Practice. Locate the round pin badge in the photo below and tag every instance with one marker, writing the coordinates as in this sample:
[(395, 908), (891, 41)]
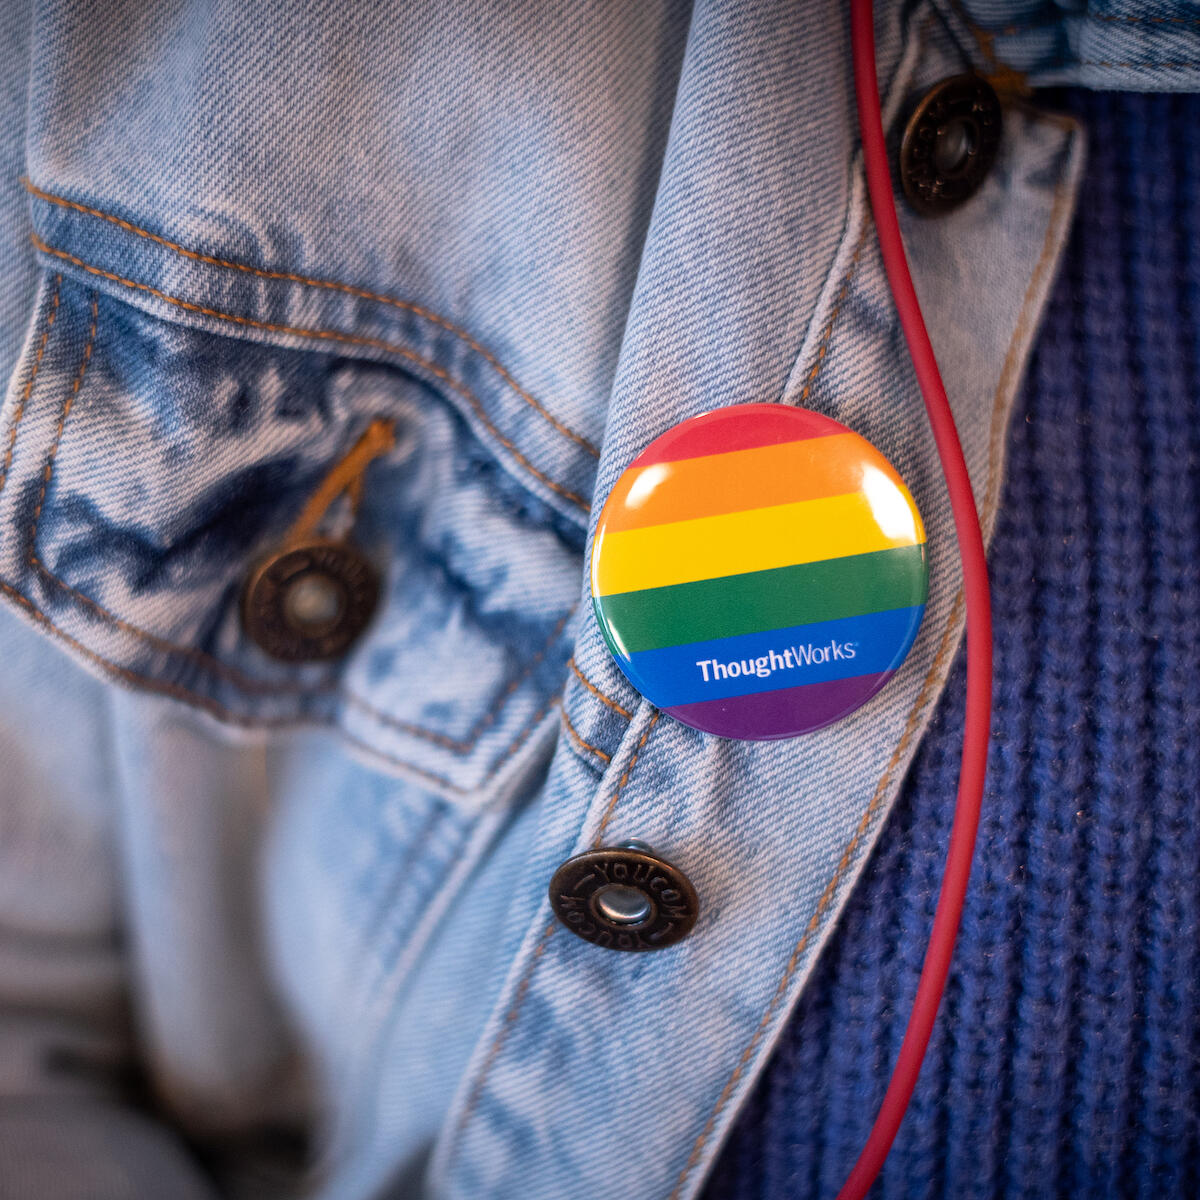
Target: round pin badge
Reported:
[(759, 571)]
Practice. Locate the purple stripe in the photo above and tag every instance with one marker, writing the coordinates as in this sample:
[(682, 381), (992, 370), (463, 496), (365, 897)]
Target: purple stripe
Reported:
[(782, 713)]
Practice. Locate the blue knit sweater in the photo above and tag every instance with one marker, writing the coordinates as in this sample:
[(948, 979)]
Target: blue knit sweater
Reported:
[(1066, 1061)]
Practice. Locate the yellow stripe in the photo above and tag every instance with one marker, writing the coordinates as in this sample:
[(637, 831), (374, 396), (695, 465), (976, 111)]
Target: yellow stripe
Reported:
[(757, 540)]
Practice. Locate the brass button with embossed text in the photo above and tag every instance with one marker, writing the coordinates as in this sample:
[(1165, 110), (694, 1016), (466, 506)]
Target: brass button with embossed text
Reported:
[(309, 601), (624, 898)]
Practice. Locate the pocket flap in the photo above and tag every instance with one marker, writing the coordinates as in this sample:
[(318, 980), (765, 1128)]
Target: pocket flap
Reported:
[(151, 464)]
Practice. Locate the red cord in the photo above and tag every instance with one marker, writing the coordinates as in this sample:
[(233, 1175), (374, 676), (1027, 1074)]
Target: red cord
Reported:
[(979, 618)]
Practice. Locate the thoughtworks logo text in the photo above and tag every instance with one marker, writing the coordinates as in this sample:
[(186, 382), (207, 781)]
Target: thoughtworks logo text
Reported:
[(789, 659)]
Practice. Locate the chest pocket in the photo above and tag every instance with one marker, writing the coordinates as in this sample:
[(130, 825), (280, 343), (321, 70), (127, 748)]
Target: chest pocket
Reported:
[(151, 463)]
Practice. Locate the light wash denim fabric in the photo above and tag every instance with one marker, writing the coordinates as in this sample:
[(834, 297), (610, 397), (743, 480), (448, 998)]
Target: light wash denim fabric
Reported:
[(1133, 45), (273, 898)]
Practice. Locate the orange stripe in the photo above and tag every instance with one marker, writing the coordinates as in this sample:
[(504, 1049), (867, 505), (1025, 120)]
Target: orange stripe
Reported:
[(740, 480)]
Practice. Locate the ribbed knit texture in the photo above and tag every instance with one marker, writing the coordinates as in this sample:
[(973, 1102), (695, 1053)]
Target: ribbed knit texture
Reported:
[(1066, 1060)]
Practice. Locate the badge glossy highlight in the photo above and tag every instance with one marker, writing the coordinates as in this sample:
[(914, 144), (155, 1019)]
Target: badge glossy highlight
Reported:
[(759, 571)]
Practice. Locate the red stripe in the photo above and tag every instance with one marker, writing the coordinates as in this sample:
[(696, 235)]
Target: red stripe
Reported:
[(739, 427)]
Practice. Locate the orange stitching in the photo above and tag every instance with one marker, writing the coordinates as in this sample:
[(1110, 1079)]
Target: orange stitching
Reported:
[(574, 735), (330, 285), (259, 687), (1012, 364), (256, 686), (1155, 66), (161, 687), (205, 660), (524, 735), (984, 40), (509, 1018), (232, 674), (914, 715), (1109, 18), (152, 684), (827, 332), (28, 390), (488, 717), (335, 336), (48, 470), (546, 933), (612, 804), (527, 977), (591, 687)]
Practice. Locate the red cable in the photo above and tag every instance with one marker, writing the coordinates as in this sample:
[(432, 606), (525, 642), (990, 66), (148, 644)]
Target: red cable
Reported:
[(978, 611)]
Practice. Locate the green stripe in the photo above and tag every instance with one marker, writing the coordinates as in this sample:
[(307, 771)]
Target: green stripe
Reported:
[(762, 600)]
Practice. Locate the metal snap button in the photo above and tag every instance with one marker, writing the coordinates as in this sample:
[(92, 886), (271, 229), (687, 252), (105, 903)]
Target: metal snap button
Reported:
[(624, 898), (949, 144), (309, 601)]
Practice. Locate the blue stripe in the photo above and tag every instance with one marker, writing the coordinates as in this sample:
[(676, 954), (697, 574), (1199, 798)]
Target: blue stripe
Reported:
[(866, 645)]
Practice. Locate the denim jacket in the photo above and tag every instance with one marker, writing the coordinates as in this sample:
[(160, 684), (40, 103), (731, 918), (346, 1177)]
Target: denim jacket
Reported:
[(530, 239)]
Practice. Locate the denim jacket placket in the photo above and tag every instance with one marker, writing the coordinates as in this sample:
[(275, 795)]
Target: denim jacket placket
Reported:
[(661, 1049)]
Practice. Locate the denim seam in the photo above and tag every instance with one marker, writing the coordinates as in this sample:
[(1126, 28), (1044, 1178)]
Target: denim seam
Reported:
[(455, 746), (27, 391), (481, 726), (328, 285), (1012, 362), (207, 661), (985, 40), (219, 712), (1087, 18), (1156, 66), (68, 404), (522, 987), (591, 687), (580, 742), (598, 839), (1062, 194), (857, 215), (506, 1025), (827, 332), (332, 335), (213, 708)]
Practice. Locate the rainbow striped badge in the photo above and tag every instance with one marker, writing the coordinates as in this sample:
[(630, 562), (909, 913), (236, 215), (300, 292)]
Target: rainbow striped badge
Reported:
[(759, 571)]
